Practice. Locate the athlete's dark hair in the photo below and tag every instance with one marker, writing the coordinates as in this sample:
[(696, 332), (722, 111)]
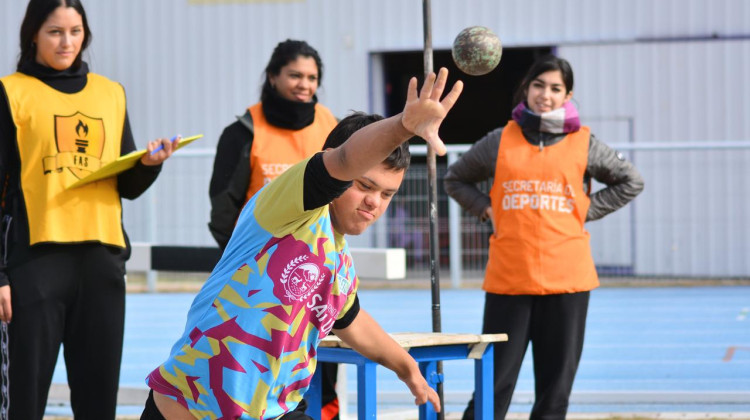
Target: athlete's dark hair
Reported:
[(37, 13), (398, 160), (284, 53)]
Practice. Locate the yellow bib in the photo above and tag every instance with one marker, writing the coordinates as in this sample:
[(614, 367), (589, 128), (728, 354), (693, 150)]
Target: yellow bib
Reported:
[(62, 138)]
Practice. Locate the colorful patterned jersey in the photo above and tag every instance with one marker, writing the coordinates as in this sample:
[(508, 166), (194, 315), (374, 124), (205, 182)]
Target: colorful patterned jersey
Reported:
[(249, 346)]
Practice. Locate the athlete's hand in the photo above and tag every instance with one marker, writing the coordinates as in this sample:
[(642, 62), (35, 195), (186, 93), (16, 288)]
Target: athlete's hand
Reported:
[(424, 113), (422, 392)]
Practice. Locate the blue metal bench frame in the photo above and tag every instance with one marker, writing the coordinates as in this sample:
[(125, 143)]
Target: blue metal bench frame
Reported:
[(427, 357)]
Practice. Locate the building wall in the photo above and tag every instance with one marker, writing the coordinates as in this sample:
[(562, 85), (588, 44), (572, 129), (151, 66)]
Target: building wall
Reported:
[(189, 67), (646, 71), (690, 218)]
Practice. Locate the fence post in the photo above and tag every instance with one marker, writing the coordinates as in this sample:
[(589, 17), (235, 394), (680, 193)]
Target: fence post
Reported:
[(152, 225), (454, 234)]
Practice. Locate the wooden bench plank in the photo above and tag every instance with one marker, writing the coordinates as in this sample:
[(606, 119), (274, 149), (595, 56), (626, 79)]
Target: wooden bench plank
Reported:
[(412, 339)]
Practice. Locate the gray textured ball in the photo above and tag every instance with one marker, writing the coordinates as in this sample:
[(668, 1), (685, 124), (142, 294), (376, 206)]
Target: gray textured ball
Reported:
[(477, 50)]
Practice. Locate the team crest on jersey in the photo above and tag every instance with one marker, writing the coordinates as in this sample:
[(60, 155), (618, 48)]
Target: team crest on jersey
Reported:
[(300, 278), (298, 271), (80, 145)]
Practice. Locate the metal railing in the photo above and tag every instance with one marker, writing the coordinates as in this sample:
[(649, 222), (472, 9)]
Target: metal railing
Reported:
[(176, 208)]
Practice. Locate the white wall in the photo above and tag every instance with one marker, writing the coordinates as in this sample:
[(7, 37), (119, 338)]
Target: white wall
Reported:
[(674, 69), (691, 219), (189, 67)]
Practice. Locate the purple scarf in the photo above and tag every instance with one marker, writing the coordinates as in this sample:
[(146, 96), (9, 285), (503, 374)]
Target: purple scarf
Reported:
[(560, 120)]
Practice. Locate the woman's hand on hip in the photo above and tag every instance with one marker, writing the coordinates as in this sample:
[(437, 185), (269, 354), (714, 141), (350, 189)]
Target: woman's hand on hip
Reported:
[(6, 312), (488, 214)]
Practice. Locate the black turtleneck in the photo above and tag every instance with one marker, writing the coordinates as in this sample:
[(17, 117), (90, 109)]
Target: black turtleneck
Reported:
[(235, 138), (231, 173), (282, 112), (70, 80)]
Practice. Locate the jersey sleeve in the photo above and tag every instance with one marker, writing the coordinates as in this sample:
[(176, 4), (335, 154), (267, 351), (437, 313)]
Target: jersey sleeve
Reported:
[(279, 206), (348, 313)]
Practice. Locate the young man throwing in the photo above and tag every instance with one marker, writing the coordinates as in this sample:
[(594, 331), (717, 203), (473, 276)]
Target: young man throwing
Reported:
[(286, 278)]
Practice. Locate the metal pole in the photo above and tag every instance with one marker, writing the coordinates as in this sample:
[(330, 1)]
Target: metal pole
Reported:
[(151, 278), (432, 203), (454, 232)]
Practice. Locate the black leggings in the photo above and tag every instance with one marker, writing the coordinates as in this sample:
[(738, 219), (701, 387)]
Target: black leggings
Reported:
[(150, 412), (555, 326), (72, 295)]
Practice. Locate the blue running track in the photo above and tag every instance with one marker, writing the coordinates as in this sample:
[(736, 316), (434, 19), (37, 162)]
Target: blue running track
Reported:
[(677, 349)]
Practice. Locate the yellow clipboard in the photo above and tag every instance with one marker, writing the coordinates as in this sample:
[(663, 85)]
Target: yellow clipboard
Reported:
[(123, 163)]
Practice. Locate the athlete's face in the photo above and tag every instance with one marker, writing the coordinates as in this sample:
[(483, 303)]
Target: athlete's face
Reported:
[(59, 40), (547, 92), (365, 201), (298, 80)]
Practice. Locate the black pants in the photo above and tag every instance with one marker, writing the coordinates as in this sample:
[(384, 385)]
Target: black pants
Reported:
[(150, 412), (555, 325), (74, 295)]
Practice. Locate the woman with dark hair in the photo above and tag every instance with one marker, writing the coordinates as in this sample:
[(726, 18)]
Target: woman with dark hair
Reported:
[(286, 126), (62, 265), (540, 270)]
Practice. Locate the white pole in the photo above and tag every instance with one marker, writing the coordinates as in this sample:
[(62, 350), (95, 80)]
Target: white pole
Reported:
[(454, 232)]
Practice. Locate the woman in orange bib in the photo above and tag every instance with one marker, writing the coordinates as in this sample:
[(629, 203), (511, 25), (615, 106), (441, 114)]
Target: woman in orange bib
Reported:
[(285, 127), (540, 270), (63, 249)]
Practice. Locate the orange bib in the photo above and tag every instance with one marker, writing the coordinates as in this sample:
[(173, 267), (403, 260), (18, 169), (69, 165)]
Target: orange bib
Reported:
[(276, 149), (540, 245)]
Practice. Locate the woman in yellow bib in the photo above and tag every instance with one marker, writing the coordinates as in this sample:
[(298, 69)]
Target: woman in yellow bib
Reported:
[(540, 270), (62, 265)]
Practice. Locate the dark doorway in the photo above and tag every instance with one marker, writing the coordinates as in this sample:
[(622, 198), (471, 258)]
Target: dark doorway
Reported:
[(486, 102)]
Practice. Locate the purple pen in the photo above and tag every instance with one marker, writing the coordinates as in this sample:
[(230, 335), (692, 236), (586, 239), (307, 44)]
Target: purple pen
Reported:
[(161, 146)]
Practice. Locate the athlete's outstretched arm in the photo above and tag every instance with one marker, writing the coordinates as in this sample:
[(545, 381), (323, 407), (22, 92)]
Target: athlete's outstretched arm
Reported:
[(422, 115)]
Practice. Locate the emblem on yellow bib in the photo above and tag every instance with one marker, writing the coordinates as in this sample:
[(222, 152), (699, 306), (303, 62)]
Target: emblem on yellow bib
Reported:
[(80, 144)]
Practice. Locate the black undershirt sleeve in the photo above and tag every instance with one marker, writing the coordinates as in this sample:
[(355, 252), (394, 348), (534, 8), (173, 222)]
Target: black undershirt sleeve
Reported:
[(133, 182), (228, 151), (7, 131), (348, 317), (320, 188), (127, 144), (230, 180)]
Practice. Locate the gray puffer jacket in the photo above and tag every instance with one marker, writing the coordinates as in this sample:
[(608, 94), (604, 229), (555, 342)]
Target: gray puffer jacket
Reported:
[(607, 166)]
